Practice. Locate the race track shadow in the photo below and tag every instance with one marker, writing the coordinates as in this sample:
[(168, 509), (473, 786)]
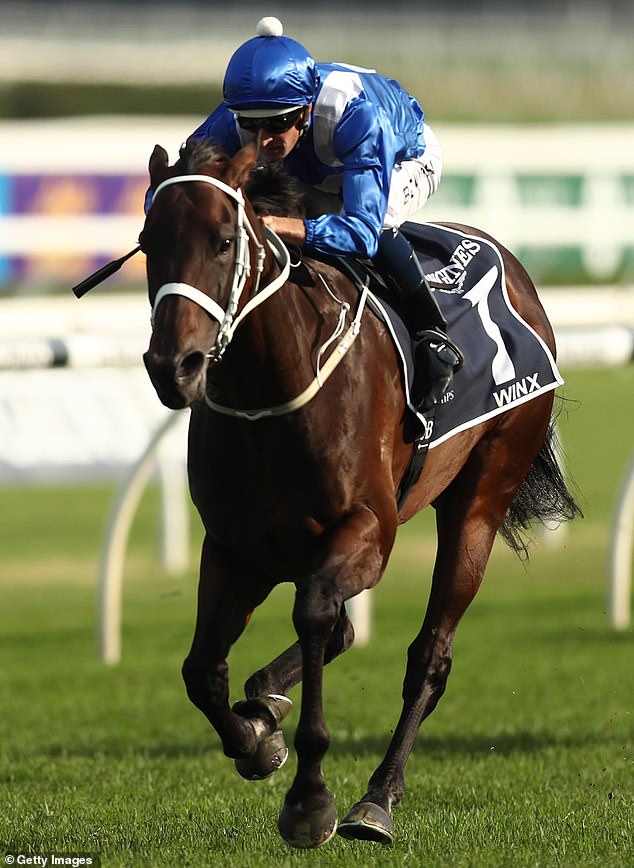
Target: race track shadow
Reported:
[(457, 747), (472, 746)]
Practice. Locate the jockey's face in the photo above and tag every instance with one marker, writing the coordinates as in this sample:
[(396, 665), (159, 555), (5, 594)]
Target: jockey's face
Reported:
[(275, 146)]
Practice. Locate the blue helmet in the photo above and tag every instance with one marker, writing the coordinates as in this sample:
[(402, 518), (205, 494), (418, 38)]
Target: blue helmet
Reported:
[(270, 73)]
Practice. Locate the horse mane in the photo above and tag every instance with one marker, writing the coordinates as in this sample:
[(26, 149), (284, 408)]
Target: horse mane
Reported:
[(196, 155), (270, 188)]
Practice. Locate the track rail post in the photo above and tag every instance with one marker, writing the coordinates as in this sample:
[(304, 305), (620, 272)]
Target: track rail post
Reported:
[(115, 540), (621, 552)]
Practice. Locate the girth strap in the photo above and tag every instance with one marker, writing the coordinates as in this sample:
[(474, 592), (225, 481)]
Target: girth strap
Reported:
[(416, 461)]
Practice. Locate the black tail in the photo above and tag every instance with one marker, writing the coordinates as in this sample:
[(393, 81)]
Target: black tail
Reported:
[(543, 496)]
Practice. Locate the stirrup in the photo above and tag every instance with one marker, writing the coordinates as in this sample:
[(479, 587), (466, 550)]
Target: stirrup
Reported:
[(442, 346), (433, 375)]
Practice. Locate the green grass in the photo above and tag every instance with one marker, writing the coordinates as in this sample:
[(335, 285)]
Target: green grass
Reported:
[(528, 760)]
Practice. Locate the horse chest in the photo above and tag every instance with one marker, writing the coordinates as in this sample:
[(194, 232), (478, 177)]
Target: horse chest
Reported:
[(272, 500)]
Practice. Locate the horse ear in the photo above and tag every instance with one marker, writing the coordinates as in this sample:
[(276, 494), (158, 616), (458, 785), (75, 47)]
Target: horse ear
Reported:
[(158, 165), (241, 165)]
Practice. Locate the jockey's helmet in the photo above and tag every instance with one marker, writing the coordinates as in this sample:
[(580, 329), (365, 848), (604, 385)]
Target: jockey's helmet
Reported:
[(269, 74)]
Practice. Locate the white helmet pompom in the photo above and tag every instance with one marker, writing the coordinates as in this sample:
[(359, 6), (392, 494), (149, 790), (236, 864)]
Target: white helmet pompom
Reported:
[(269, 26)]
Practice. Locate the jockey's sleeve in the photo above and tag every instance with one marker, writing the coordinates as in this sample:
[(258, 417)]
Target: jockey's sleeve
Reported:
[(365, 144), (221, 128), (356, 231)]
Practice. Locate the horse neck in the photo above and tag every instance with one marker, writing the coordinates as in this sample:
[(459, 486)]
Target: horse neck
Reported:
[(272, 355)]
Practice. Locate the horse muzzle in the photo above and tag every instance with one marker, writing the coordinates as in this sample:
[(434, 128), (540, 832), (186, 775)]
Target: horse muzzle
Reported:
[(180, 379)]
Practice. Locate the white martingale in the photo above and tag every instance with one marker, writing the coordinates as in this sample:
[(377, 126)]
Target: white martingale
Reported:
[(323, 372)]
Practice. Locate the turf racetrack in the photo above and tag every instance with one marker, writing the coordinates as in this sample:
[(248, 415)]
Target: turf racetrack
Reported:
[(528, 760)]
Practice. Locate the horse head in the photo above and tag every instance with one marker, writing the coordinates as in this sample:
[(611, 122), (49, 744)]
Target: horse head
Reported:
[(200, 238)]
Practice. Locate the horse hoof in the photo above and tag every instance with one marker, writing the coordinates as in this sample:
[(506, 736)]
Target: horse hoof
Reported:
[(270, 755), (367, 822), (306, 830), (272, 709)]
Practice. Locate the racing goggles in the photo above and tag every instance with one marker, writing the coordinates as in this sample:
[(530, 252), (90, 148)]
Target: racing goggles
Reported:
[(275, 124)]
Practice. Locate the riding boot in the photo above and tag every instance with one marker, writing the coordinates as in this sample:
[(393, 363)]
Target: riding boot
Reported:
[(436, 357)]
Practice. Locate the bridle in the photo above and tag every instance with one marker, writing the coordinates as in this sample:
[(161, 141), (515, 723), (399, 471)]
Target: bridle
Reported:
[(242, 270), (228, 319)]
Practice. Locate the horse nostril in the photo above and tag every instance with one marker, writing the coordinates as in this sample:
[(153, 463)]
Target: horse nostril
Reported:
[(190, 366)]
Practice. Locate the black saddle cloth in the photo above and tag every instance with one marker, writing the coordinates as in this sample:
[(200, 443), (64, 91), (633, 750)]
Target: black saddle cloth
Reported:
[(506, 362)]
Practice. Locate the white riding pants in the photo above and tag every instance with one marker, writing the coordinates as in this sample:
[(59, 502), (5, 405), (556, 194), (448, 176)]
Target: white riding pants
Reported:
[(414, 181)]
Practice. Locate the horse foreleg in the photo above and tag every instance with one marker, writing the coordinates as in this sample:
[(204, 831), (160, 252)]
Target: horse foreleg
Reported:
[(227, 594), (354, 560)]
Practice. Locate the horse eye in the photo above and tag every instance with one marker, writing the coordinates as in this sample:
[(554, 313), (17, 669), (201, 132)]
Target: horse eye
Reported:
[(225, 245), (145, 240)]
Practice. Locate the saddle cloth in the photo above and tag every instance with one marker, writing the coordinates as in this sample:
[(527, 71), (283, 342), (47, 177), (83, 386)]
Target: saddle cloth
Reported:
[(506, 361)]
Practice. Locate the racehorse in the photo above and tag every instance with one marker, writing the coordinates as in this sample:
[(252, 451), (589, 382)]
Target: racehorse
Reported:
[(295, 476)]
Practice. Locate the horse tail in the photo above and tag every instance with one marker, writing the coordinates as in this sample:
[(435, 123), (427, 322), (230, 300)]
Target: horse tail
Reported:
[(543, 496)]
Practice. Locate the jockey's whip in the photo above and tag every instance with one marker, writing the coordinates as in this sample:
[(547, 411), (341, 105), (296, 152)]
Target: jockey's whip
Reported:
[(102, 273)]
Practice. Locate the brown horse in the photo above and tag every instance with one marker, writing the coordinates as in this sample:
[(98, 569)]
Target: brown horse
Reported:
[(301, 486)]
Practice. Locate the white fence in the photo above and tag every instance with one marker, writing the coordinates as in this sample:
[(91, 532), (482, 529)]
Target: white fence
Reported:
[(545, 187), (73, 422)]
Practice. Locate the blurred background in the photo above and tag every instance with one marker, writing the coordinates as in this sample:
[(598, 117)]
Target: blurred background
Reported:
[(534, 105)]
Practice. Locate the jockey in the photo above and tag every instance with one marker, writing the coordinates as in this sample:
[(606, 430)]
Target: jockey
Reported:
[(368, 161)]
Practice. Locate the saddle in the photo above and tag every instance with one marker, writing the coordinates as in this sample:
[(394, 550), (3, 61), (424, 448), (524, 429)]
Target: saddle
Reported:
[(380, 300), (506, 362)]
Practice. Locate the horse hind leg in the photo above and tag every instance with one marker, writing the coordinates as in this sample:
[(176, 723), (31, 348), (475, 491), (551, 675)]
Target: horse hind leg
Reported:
[(283, 673), (455, 583), (468, 515), (428, 667), (266, 695)]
